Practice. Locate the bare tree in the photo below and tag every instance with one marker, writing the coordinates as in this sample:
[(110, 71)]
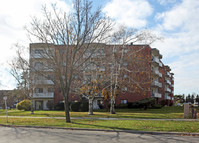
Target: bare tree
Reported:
[(135, 77), (20, 71), (79, 33)]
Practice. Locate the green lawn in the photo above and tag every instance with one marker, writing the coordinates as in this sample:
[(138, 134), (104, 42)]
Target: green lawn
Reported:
[(163, 113), (146, 125), (167, 126)]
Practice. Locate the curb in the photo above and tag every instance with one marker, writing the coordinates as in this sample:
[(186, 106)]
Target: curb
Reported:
[(106, 130)]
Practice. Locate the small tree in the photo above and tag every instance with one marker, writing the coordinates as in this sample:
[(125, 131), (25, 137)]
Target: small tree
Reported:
[(90, 91), (24, 105)]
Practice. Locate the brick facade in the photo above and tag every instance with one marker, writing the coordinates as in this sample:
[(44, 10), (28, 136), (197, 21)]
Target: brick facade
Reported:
[(142, 74)]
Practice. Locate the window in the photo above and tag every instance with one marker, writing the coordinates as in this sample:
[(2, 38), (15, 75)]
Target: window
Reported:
[(38, 64), (102, 68), (39, 51), (124, 89), (126, 51), (101, 52), (123, 101), (76, 76), (50, 77), (50, 90), (39, 90), (125, 64), (87, 77)]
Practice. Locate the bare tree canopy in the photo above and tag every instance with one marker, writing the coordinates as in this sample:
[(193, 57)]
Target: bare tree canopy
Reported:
[(68, 44), (79, 33)]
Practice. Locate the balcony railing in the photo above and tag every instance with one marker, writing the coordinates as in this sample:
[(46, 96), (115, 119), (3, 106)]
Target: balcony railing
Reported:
[(167, 81), (156, 71), (160, 64), (156, 60), (43, 95), (167, 97), (168, 74), (49, 82), (157, 95), (167, 89), (157, 83)]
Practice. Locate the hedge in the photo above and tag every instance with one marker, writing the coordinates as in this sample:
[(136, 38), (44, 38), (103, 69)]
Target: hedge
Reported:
[(24, 105)]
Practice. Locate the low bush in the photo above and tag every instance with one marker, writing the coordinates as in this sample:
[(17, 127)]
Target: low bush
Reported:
[(122, 106), (79, 106), (83, 107), (60, 106), (133, 105), (164, 102), (24, 105), (19, 107), (156, 106), (144, 103), (75, 106), (171, 104)]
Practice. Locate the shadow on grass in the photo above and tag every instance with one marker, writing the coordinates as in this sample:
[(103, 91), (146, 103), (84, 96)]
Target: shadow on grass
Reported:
[(102, 127), (172, 109)]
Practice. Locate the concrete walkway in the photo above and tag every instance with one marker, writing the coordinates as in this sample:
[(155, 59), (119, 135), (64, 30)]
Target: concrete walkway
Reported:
[(95, 118)]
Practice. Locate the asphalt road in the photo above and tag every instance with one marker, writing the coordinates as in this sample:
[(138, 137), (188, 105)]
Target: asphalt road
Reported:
[(35, 135)]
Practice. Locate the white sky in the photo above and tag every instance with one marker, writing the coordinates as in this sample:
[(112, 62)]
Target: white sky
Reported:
[(176, 20)]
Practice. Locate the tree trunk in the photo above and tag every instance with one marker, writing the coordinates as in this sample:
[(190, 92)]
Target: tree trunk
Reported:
[(67, 114), (90, 112), (112, 108), (31, 106)]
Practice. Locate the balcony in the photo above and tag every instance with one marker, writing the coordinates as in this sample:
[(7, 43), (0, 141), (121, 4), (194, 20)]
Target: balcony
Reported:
[(156, 61), (167, 89), (102, 69), (40, 56), (157, 95), (156, 83), (43, 95), (168, 82), (156, 71), (167, 97), (160, 64), (46, 82), (168, 74)]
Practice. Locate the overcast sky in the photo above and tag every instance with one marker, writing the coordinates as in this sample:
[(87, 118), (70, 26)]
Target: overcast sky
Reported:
[(176, 20)]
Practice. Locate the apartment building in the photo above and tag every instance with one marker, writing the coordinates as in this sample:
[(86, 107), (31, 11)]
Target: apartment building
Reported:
[(41, 75), (136, 69)]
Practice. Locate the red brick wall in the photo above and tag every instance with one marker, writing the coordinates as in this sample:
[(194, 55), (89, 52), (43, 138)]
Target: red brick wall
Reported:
[(58, 97)]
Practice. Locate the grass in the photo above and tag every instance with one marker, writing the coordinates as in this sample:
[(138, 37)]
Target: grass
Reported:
[(163, 113), (146, 125), (167, 126)]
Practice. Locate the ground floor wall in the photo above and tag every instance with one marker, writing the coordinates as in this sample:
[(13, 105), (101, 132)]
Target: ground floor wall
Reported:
[(43, 104), (126, 97), (122, 98)]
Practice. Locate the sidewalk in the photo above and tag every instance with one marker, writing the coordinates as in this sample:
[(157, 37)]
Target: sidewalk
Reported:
[(94, 118)]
